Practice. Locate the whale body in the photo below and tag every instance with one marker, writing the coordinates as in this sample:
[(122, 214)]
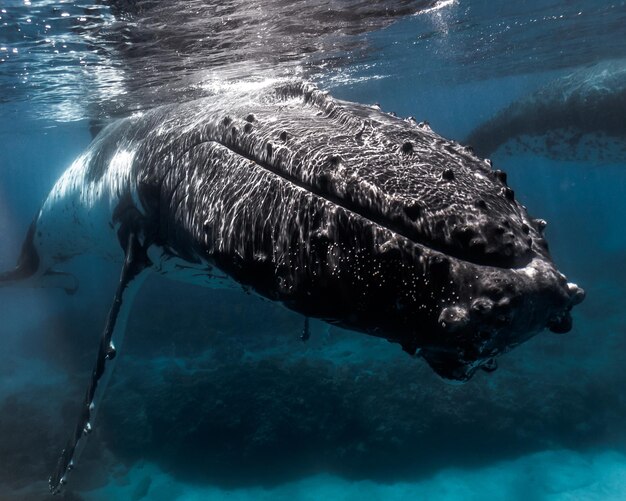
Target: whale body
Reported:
[(336, 210), (576, 117)]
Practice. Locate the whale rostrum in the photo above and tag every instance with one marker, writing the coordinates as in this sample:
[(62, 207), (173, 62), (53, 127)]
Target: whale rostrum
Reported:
[(336, 210)]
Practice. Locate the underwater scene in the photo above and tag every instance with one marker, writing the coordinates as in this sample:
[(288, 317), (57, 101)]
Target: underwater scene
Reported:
[(316, 249)]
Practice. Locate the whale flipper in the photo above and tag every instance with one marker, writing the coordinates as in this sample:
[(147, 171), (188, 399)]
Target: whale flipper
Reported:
[(306, 330), (136, 263)]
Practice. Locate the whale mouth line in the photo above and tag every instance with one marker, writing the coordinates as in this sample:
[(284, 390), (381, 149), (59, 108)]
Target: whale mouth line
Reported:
[(352, 207)]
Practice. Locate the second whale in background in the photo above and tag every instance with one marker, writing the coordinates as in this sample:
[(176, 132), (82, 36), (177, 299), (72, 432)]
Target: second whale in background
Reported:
[(579, 117)]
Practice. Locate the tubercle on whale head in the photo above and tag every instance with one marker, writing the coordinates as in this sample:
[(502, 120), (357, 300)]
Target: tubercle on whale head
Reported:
[(500, 313)]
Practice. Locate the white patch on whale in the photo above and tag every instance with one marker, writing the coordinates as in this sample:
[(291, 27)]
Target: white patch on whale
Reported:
[(76, 216)]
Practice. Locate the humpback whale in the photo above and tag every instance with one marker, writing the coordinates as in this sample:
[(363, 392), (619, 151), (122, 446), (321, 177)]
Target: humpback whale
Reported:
[(577, 117), (334, 209)]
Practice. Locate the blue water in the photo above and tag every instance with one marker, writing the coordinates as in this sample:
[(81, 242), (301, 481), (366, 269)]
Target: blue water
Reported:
[(215, 396)]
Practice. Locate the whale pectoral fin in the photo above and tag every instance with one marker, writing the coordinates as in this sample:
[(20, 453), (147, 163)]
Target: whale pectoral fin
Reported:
[(134, 271), (306, 330)]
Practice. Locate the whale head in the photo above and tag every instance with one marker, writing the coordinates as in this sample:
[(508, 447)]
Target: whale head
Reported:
[(368, 221), (334, 209)]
